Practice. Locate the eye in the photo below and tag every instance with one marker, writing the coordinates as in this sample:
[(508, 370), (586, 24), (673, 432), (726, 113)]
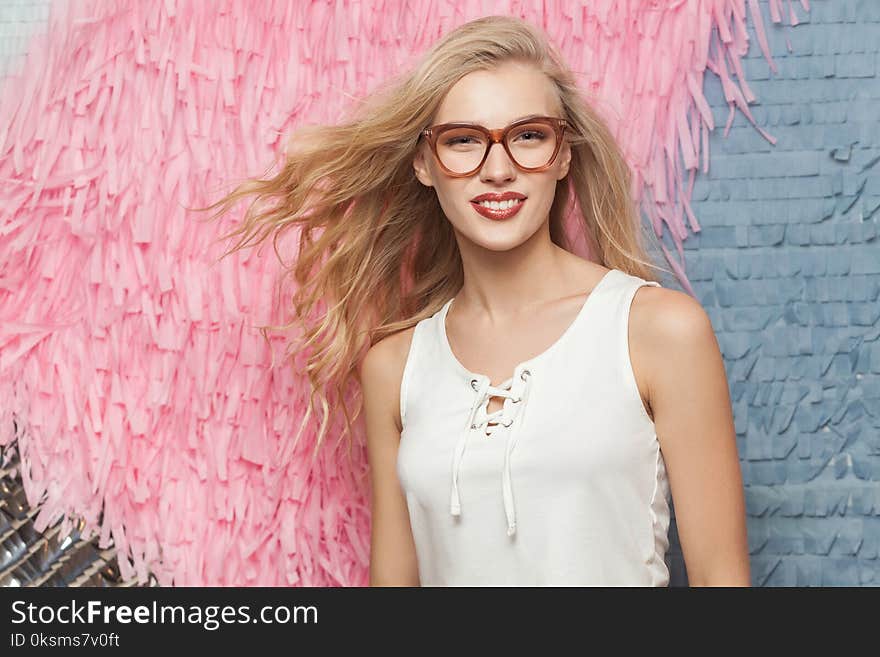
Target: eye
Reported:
[(531, 135), (458, 140)]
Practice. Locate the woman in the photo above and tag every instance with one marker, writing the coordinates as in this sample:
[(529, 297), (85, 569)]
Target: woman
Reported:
[(529, 412)]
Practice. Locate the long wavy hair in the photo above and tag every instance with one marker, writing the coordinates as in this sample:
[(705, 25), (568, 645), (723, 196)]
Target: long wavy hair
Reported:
[(375, 253)]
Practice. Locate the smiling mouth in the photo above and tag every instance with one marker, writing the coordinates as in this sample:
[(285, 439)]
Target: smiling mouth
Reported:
[(502, 211)]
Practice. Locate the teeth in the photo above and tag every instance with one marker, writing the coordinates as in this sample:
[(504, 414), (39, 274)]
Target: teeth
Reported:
[(503, 205)]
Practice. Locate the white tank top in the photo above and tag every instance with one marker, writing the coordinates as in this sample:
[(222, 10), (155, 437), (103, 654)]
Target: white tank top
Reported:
[(563, 486)]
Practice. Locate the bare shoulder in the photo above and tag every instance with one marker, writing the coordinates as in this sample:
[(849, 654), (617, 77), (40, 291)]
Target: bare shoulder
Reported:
[(669, 312), (663, 324), (382, 370)]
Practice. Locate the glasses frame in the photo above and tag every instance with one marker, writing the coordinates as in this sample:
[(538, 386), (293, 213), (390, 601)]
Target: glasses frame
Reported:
[(496, 136)]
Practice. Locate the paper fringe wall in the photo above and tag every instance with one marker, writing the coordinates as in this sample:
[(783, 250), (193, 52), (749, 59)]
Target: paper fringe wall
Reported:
[(147, 400)]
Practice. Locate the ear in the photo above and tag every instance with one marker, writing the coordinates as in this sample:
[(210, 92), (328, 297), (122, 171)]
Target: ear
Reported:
[(423, 173), (565, 160)]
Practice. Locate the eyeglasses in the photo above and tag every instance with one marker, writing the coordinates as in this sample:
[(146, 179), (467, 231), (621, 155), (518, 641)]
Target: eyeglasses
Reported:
[(462, 148)]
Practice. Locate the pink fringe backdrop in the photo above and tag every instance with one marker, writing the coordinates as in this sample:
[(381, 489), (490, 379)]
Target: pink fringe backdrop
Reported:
[(132, 375)]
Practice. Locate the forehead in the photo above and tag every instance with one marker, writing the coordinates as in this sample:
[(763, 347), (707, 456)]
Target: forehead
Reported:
[(498, 96)]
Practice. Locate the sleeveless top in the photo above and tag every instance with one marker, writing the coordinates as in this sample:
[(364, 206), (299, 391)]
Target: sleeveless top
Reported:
[(563, 486)]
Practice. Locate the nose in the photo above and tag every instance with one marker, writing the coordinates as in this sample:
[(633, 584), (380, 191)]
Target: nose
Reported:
[(498, 165)]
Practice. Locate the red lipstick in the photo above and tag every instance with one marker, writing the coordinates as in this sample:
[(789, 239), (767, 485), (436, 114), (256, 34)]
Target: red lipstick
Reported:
[(498, 215)]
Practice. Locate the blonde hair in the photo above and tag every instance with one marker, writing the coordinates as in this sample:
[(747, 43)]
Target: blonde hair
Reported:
[(373, 243)]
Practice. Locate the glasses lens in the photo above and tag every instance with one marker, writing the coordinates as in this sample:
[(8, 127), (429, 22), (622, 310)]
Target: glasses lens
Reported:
[(531, 144)]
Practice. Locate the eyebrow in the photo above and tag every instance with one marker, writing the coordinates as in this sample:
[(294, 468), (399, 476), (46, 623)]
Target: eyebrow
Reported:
[(519, 118)]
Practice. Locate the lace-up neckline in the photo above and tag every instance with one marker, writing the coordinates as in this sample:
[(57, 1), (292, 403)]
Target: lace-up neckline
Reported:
[(509, 418)]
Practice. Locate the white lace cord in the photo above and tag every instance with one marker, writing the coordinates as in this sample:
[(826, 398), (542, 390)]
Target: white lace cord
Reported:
[(484, 391), (506, 485), (455, 500), (505, 390)]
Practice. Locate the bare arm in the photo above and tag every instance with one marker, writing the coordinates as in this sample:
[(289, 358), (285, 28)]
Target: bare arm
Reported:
[(689, 396), (392, 550)]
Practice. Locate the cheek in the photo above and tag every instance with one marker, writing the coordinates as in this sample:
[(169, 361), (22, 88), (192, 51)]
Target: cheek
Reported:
[(541, 198), (452, 200)]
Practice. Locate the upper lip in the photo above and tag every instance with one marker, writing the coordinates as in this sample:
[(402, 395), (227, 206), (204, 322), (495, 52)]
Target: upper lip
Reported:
[(492, 196)]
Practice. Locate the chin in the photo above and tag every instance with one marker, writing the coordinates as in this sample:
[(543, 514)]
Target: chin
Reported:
[(503, 241)]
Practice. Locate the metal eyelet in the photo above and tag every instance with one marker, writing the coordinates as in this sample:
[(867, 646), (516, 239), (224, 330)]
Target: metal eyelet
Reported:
[(473, 381), (525, 374), (516, 401), (508, 423)]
